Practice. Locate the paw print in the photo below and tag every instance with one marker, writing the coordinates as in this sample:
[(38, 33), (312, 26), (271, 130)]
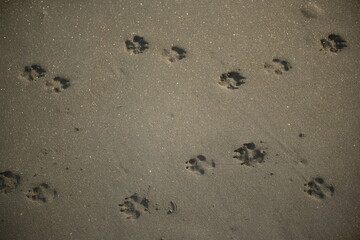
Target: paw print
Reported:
[(136, 45), (42, 193), (33, 72), (58, 84), (134, 206), (249, 154), (175, 54), (318, 189), (231, 80), (278, 66), (199, 164), (8, 181), (334, 43)]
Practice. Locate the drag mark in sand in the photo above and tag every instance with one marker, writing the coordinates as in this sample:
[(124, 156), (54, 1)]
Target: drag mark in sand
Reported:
[(231, 80), (311, 11), (8, 181), (173, 208), (134, 206), (136, 45), (318, 189), (249, 154), (199, 164)]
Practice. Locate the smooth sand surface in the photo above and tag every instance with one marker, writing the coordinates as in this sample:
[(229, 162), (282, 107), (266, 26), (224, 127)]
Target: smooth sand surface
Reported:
[(179, 119)]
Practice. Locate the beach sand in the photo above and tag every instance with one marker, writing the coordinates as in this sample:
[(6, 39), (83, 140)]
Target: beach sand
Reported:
[(179, 119)]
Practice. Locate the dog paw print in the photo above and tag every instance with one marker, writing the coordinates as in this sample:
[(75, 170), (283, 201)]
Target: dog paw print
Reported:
[(8, 181), (334, 43), (174, 54), (199, 164), (278, 66), (231, 80), (249, 154), (318, 189), (136, 45), (42, 193), (33, 72), (134, 206), (58, 84)]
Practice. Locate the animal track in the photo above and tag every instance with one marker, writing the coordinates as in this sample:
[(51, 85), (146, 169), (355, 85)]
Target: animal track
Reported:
[(33, 72), (334, 43), (172, 209), (312, 10), (308, 13), (231, 80), (137, 45), (58, 84), (199, 164), (249, 154), (175, 54), (278, 66), (8, 181), (42, 193), (133, 206), (318, 189)]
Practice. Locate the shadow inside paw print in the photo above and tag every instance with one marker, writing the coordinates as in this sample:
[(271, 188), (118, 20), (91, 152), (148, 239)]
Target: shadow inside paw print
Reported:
[(33, 72), (334, 43), (175, 54), (58, 84), (8, 181), (231, 80), (318, 189), (278, 66), (43, 193), (249, 154), (199, 164), (133, 206), (137, 45)]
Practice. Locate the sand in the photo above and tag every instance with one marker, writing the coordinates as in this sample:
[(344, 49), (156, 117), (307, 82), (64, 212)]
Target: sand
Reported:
[(179, 119)]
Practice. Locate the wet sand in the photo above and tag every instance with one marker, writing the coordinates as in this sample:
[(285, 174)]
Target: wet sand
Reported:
[(179, 119)]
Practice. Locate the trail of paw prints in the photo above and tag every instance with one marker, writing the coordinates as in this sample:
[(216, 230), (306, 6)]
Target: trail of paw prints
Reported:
[(318, 189), (333, 43), (134, 206), (249, 154), (136, 45), (9, 181), (33, 72), (174, 54), (42, 193), (278, 66), (58, 84), (231, 80), (200, 165)]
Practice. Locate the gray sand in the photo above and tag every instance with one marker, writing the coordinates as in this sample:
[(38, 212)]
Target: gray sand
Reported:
[(139, 143)]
